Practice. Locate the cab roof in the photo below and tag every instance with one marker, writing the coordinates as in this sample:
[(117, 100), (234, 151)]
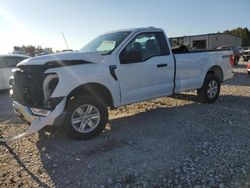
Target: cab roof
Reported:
[(136, 29)]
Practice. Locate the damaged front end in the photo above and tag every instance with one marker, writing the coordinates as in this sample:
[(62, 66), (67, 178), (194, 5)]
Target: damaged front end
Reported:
[(31, 90)]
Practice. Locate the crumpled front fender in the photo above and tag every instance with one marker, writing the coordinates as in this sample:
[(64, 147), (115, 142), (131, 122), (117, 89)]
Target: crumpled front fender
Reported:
[(36, 122)]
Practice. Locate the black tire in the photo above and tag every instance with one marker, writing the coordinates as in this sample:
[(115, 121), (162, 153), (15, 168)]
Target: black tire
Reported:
[(78, 102), (203, 91)]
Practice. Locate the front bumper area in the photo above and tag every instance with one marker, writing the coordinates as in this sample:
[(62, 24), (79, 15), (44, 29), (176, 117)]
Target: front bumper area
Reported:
[(23, 112), (36, 122)]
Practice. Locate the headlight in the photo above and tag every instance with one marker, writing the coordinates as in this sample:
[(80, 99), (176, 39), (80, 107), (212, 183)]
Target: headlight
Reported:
[(40, 112)]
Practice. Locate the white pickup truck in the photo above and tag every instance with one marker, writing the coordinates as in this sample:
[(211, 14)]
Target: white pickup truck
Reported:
[(75, 89)]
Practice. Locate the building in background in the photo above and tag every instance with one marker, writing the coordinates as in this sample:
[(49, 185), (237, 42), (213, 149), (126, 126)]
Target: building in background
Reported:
[(207, 41)]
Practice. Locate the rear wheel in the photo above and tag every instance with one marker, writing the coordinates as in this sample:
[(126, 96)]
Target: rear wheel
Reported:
[(210, 90), (86, 118)]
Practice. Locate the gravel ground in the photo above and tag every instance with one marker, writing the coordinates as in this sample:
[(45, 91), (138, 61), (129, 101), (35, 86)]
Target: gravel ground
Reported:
[(167, 142)]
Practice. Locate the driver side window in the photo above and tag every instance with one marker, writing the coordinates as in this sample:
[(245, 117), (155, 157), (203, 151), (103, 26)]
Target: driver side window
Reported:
[(141, 48)]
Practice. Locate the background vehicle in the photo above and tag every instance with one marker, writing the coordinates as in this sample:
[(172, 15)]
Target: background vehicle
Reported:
[(240, 50), (7, 63), (115, 69), (246, 55), (248, 68), (235, 50)]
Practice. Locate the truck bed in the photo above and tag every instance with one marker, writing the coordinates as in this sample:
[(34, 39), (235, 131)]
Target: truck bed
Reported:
[(191, 67)]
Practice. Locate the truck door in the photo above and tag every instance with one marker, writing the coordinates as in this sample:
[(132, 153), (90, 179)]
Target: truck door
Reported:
[(146, 68)]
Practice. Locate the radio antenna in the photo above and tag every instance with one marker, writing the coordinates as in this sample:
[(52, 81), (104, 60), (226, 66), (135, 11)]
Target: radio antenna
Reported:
[(65, 41)]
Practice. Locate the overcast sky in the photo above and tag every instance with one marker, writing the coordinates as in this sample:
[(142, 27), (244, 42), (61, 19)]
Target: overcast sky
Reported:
[(41, 22)]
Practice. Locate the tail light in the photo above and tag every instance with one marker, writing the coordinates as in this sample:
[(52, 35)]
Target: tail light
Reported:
[(248, 66), (232, 59)]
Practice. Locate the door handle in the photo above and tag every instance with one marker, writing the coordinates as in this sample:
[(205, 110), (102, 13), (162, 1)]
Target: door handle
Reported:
[(162, 65)]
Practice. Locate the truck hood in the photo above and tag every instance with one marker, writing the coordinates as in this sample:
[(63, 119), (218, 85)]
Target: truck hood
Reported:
[(91, 57)]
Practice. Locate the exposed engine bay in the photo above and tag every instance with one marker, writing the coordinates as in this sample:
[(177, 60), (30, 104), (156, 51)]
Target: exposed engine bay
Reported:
[(31, 89)]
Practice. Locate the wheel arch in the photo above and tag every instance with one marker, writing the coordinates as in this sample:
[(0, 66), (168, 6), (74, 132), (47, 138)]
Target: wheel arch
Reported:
[(99, 91), (216, 70)]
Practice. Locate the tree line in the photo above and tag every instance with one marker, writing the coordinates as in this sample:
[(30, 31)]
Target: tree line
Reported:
[(243, 33), (31, 50)]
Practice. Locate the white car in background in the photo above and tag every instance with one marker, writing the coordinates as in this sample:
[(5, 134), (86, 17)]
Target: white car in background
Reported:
[(7, 63), (246, 55)]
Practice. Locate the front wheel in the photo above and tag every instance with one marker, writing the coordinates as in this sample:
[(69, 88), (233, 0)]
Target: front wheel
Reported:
[(210, 90), (86, 118)]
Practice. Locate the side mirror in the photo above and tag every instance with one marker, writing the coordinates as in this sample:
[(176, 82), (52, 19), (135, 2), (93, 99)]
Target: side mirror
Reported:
[(130, 57)]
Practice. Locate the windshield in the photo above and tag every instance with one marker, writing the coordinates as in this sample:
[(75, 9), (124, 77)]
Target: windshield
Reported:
[(106, 43)]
